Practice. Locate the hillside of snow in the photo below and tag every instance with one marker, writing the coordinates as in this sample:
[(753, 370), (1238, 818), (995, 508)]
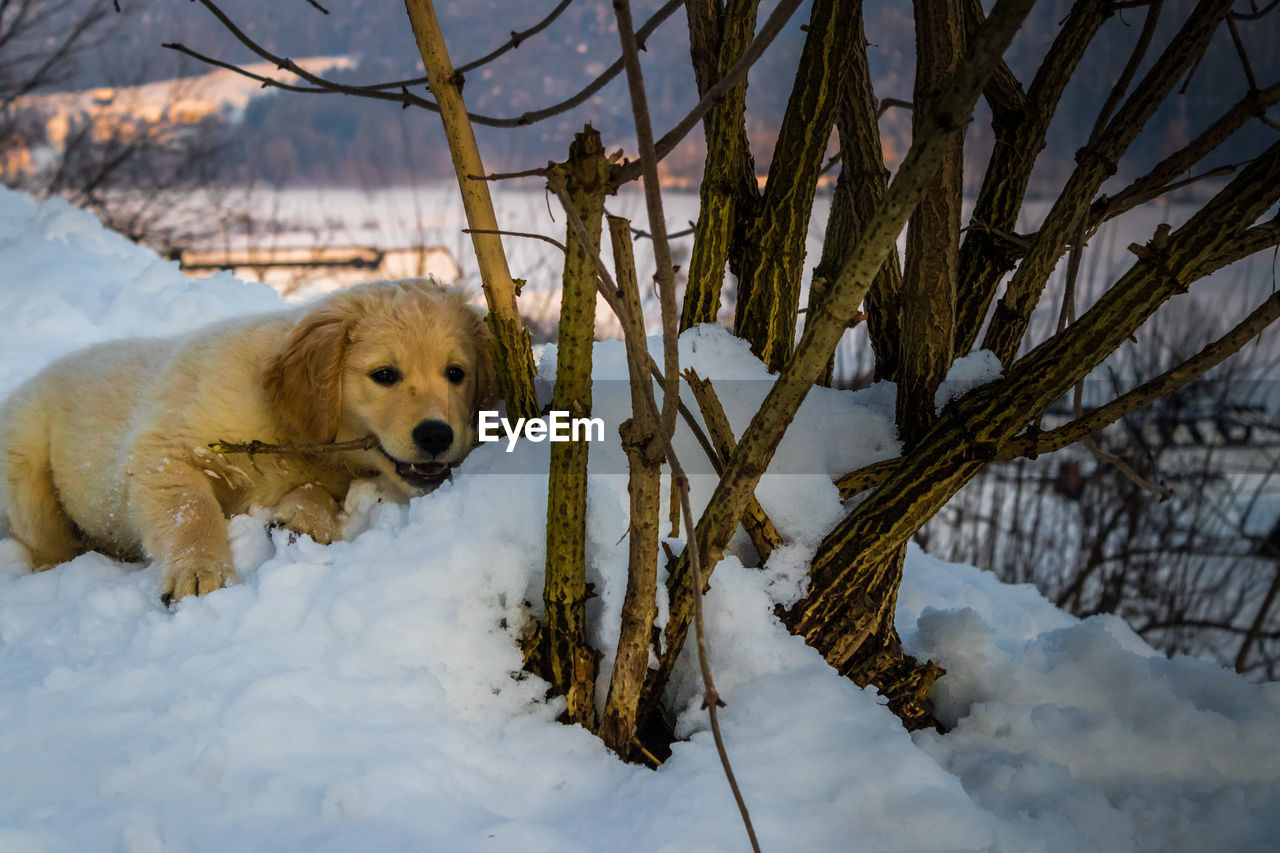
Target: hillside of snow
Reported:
[(366, 695)]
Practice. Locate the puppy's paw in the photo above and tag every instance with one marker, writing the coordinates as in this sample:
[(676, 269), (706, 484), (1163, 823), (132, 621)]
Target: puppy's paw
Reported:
[(311, 511), (179, 583)]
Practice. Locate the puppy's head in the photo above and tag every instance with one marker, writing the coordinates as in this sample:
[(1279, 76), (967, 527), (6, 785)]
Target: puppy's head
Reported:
[(406, 361)]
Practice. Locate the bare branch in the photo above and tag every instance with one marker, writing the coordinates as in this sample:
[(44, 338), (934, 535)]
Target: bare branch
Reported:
[(1255, 631), (657, 219), (516, 39), (1258, 14), (369, 442), (1130, 69), (540, 172), (1240, 51), (1004, 94), (381, 91), (543, 237), (887, 104)]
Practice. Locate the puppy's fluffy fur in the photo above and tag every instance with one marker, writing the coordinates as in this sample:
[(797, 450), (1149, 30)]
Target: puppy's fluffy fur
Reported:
[(107, 449)]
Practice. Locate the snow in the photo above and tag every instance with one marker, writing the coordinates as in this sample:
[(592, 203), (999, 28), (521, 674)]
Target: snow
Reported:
[(366, 695), (967, 372)]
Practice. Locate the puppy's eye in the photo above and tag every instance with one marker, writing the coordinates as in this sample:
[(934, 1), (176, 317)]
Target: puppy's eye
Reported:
[(385, 376), (455, 375)]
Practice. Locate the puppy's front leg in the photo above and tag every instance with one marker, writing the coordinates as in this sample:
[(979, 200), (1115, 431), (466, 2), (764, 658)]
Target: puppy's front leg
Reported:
[(182, 526), (309, 509)]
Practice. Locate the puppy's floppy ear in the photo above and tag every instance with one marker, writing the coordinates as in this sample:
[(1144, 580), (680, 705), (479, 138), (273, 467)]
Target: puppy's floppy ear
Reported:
[(303, 381), (481, 340)]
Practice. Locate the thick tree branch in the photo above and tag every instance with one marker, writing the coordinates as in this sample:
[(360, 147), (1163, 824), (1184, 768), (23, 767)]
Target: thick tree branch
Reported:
[(859, 189), (773, 246), (929, 277), (644, 463), (634, 341), (1004, 93), (727, 194), (760, 529)]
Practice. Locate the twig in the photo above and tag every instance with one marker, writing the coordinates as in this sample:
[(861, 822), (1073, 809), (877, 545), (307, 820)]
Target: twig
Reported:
[(543, 237), (1257, 14), (657, 221), (539, 172), (1255, 631), (515, 40), (640, 232), (369, 442), (832, 163), (887, 104), (1068, 316), (318, 6), (1130, 69), (1240, 51)]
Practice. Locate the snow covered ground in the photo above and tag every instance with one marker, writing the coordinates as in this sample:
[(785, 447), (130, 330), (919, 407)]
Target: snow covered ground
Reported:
[(365, 696)]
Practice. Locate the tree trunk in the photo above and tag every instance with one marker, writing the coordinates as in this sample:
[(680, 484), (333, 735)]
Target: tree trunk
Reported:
[(862, 183), (769, 284), (727, 194), (928, 301), (644, 464), (569, 662)]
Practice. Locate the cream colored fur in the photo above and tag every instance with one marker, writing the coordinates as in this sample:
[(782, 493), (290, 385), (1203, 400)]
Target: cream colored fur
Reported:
[(107, 449)]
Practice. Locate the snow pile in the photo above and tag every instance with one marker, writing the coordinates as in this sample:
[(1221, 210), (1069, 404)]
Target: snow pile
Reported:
[(367, 696)]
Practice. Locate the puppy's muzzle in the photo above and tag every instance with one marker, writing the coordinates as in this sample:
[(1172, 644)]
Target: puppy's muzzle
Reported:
[(433, 437)]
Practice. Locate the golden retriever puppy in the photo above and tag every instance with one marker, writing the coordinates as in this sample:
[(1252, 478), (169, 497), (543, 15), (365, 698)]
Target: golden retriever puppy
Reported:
[(107, 449)]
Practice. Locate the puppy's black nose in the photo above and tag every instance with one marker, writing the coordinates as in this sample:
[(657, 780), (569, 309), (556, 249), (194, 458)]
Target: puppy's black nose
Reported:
[(433, 436)]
